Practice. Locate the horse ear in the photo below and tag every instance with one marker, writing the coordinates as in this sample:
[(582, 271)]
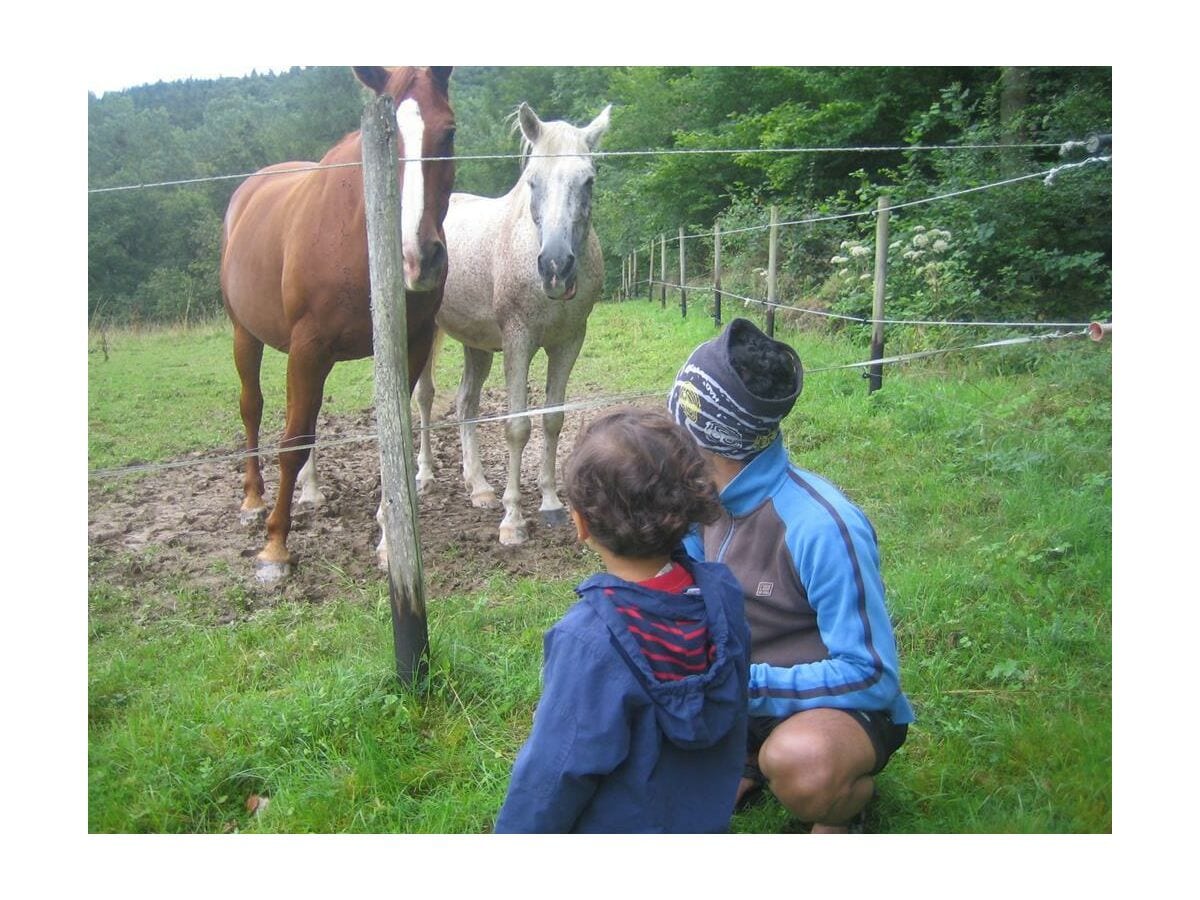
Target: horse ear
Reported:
[(599, 125), (531, 125), (441, 74), (374, 77)]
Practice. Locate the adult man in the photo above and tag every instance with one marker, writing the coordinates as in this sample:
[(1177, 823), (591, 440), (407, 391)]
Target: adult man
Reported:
[(826, 707)]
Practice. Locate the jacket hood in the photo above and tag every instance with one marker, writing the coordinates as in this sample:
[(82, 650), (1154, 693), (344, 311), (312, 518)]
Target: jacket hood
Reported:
[(699, 710)]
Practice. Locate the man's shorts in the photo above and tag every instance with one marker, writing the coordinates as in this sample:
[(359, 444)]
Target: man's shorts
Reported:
[(886, 737)]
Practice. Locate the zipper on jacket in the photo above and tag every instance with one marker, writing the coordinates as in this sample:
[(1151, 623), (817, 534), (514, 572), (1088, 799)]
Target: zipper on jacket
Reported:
[(728, 538)]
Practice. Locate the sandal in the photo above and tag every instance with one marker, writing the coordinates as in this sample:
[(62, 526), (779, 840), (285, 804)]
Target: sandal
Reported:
[(754, 794)]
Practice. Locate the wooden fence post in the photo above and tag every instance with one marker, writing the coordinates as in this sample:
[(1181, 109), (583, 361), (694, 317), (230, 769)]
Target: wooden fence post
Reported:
[(771, 257), (624, 278), (662, 255), (717, 275), (650, 274), (875, 373), (406, 588), (633, 274), (682, 277)]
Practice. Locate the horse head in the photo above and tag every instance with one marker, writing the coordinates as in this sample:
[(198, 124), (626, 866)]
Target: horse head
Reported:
[(559, 174), (426, 125)]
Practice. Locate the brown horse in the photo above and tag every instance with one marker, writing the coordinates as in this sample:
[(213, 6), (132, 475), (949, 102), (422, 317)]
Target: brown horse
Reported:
[(294, 274)]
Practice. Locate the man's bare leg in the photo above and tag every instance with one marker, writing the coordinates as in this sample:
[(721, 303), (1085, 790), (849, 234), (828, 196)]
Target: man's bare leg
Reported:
[(817, 763)]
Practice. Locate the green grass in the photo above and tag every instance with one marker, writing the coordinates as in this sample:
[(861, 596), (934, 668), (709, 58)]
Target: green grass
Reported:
[(987, 476)]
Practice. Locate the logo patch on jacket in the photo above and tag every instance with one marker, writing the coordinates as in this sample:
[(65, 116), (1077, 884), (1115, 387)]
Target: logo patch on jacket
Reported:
[(764, 589)]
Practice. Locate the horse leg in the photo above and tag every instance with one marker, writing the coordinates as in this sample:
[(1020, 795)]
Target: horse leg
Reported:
[(477, 364), (425, 391), (307, 370), (516, 434), (559, 362), (247, 358), (310, 490)]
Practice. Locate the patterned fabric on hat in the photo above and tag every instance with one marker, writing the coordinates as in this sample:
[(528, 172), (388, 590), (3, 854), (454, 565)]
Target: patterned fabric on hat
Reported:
[(711, 401)]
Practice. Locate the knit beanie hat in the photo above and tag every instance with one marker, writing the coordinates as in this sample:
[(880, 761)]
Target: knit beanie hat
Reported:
[(711, 401)]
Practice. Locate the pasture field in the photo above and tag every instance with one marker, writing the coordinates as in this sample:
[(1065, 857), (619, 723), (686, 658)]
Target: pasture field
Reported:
[(987, 475)]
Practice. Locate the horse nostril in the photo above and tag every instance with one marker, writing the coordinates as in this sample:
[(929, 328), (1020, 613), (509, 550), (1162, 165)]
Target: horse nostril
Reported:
[(552, 266)]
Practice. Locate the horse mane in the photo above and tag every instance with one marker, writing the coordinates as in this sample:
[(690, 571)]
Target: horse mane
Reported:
[(403, 79), (513, 118)]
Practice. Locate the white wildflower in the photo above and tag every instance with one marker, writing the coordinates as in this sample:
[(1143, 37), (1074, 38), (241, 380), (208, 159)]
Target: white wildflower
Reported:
[(859, 250), (839, 260), (920, 240), (940, 246)]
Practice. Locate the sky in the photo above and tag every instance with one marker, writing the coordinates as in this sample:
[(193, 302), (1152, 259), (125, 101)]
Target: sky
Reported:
[(136, 42)]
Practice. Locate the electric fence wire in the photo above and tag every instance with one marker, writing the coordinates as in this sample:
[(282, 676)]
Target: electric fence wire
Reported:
[(861, 320), (571, 406), (1047, 175), (597, 154)]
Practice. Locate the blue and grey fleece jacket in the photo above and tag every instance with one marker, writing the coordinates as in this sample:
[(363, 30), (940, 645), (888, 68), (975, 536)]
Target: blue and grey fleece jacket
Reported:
[(808, 562), (615, 750)]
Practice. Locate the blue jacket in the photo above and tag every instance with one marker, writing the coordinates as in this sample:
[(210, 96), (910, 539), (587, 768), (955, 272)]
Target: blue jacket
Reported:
[(808, 561), (613, 750)]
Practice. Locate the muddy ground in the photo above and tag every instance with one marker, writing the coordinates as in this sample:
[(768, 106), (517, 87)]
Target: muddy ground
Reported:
[(177, 530)]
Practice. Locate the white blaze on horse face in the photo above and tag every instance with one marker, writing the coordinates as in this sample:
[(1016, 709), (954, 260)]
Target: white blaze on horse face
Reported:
[(412, 198), (561, 211)]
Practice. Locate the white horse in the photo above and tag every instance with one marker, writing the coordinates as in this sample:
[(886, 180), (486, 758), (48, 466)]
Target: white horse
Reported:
[(525, 270)]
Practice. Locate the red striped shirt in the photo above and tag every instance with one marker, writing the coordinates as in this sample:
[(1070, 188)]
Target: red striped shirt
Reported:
[(674, 648)]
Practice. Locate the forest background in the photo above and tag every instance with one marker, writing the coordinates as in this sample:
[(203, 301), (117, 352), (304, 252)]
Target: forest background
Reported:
[(1019, 252)]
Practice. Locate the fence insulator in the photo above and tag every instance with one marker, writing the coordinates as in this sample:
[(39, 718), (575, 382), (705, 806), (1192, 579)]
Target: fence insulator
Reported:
[(1097, 143), (1097, 331)]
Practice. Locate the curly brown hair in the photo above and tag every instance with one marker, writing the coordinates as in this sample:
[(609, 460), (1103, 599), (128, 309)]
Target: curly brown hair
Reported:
[(639, 482)]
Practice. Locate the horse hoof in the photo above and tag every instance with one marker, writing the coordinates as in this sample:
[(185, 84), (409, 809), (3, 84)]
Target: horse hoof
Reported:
[(314, 499), (552, 518), (485, 500), (250, 517), (271, 572), (513, 535)]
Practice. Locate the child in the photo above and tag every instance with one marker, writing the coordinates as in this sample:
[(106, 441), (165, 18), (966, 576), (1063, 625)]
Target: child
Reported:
[(641, 726)]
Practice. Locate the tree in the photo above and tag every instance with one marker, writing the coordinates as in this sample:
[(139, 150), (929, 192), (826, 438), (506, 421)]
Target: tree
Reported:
[(1025, 250)]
